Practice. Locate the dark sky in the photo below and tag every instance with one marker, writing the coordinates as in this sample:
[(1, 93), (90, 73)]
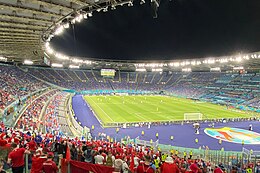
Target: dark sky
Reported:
[(183, 29)]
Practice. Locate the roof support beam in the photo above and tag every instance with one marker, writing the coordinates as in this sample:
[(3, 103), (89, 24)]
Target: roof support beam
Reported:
[(21, 25), (13, 30), (27, 19), (51, 5), (9, 34), (29, 10)]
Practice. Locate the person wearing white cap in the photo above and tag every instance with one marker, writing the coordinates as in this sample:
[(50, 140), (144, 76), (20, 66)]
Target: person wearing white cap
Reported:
[(169, 166)]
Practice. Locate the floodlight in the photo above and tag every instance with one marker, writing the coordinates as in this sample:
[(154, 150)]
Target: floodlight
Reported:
[(28, 62), (59, 30), (49, 50), (215, 69), (56, 65), (140, 69), (73, 66), (186, 70), (105, 9), (157, 70), (113, 7), (3, 59), (85, 16), (238, 68), (239, 59), (79, 18), (130, 4), (60, 56), (66, 25)]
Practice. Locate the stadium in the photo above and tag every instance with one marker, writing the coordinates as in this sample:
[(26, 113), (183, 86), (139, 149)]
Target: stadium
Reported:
[(193, 112)]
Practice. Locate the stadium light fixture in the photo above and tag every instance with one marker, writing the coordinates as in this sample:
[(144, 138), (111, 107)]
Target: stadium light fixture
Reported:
[(73, 66), (56, 65), (3, 59), (87, 62), (238, 68), (105, 9), (66, 25), (182, 63), (142, 2), (47, 44), (60, 56), (130, 4), (59, 30), (193, 62), (140, 69), (75, 60), (90, 14), (79, 18), (176, 64), (239, 59), (186, 70), (85, 16), (215, 69), (246, 57), (157, 70), (28, 62), (113, 7), (223, 60)]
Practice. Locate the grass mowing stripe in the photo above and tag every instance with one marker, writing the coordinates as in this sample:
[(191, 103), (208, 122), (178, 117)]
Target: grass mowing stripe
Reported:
[(153, 108), (102, 110)]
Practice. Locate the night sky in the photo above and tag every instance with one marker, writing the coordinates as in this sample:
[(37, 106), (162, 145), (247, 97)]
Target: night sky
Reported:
[(183, 29)]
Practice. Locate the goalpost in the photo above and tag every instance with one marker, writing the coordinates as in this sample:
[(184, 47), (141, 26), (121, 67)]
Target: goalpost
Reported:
[(192, 116)]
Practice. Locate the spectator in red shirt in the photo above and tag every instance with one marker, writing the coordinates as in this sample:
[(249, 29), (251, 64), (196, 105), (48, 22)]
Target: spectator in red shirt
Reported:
[(49, 166), (169, 166), (145, 167), (16, 157), (37, 162), (218, 170)]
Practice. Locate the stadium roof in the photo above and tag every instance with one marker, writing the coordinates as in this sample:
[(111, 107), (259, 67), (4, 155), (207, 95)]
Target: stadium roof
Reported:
[(26, 24), (23, 22)]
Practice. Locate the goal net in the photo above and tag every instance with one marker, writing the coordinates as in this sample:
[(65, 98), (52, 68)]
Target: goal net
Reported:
[(192, 116)]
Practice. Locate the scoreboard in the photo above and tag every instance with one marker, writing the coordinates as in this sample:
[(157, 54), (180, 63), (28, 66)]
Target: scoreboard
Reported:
[(108, 72)]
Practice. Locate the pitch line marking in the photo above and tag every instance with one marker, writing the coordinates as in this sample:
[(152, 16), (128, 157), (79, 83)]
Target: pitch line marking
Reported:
[(102, 110)]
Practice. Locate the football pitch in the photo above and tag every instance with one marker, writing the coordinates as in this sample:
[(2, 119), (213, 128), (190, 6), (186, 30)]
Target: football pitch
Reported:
[(122, 109)]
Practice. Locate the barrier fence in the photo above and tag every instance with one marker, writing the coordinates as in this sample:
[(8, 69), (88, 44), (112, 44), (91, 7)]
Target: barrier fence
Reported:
[(226, 158)]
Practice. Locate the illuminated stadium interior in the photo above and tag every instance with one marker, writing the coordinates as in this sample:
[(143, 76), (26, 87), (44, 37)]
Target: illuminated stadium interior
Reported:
[(202, 109)]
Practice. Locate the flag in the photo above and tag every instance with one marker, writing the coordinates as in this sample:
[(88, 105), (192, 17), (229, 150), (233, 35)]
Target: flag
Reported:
[(68, 153)]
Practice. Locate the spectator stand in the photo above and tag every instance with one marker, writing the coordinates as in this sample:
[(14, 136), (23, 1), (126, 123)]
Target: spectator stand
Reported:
[(43, 115), (29, 104), (18, 106)]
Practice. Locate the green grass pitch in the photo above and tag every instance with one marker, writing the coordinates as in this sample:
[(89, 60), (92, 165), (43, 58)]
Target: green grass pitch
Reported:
[(120, 109)]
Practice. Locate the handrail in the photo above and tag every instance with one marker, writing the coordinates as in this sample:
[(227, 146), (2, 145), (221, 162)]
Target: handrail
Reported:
[(14, 103), (43, 111), (76, 129), (24, 108)]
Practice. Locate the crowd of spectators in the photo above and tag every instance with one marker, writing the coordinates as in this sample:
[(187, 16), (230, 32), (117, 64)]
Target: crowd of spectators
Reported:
[(123, 158), (15, 83), (29, 119)]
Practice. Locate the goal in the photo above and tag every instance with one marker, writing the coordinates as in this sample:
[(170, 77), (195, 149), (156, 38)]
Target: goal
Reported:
[(192, 116)]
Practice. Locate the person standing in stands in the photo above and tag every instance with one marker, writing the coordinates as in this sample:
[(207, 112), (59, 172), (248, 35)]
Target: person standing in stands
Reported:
[(169, 166), (49, 166), (145, 167), (37, 162), (16, 158)]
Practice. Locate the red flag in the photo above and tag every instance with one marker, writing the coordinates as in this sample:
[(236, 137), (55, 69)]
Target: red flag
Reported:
[(68, 153), (132, 164)]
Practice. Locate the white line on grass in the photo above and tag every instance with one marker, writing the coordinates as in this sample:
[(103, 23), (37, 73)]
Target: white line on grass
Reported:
[(102, 110)]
